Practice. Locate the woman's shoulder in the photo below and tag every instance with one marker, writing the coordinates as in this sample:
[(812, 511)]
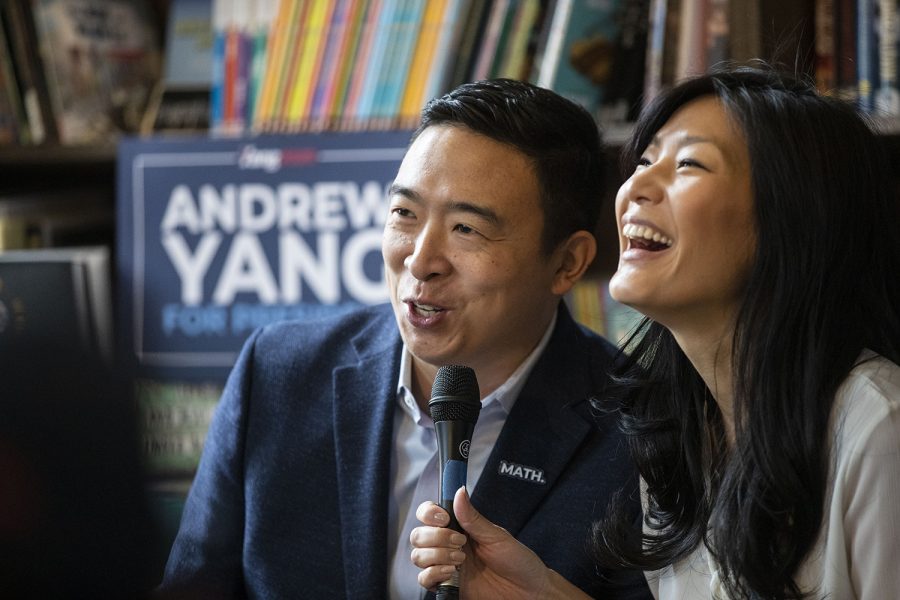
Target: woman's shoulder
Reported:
[(868, 402)]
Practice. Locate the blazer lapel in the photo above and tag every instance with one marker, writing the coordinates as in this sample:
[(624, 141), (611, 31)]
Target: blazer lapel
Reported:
[(363, 422), (545, 428)]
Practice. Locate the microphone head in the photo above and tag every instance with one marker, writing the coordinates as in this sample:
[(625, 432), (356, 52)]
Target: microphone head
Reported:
[(455, 395)]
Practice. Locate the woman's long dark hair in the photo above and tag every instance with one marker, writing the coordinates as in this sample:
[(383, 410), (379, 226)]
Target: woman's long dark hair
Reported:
[(824, 286)]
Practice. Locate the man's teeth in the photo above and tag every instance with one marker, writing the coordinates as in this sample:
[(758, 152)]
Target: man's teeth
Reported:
[(425, 310), (646, 233)]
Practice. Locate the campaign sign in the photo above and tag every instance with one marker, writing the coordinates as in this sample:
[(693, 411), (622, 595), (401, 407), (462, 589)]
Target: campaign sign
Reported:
[(220, 236)]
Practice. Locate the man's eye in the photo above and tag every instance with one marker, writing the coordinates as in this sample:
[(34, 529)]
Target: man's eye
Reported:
[(464, 228), (401, 212)]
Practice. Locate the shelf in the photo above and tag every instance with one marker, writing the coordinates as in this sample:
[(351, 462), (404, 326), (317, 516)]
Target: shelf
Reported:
[(44, 156)]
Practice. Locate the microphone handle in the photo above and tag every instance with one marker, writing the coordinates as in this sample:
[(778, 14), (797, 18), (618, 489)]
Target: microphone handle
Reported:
[(453, 456), (447, 592)]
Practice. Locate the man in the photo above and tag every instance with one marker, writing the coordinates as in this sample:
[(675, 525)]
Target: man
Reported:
[(322, 446)]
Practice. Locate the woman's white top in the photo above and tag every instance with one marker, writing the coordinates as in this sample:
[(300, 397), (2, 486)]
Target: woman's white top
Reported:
[(857, 555)]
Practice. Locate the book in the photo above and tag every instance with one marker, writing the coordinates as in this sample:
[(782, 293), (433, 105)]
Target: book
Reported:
[(423, 62), (621, 101), (290, 65), (593, 306), (173, 419), (385, 29), (57, 296), (312, 38), (579, 54), (333, 104), (465, 53), (13, 126), (825, 45), (450, 36), (335, 47), (887, 95), (846, 75), (489, 43), (745, 29), (717, 32), (395, 71), (181, 100), (101, 61), (514, 62), (691, 58), (261, 30), (29, 71), (278, 50), (656, 45), (866, 54), (370, 26)]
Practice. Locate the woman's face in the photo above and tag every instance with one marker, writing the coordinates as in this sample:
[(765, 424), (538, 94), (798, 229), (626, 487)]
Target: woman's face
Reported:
[(686, 221)]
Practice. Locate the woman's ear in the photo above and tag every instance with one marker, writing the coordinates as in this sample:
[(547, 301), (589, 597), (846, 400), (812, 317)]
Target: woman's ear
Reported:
[(573, 256)]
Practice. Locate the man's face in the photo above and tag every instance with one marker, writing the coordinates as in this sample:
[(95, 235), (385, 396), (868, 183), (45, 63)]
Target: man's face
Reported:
[(467, 279)]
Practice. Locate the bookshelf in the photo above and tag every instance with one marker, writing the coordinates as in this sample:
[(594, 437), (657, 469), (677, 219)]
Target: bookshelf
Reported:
[(66, 194)]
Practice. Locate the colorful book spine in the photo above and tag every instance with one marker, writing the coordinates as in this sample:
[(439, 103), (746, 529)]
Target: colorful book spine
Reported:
[(290, 66), (866, 54), (450, 36), (329, 71), (887, 98), (221, 16), (311, 40), (423, 62), (487, 49), (239, 57), (350, 112), (337, 94), (514, 64), (262, 32), (276, 55), (372, 70), (395, 71)]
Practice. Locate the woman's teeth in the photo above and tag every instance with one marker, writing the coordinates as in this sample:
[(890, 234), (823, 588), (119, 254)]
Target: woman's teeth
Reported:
[(642, 232)]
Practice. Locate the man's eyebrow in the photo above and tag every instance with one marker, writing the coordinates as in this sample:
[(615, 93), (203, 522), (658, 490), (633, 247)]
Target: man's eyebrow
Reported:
[(455, 206), (481, 211)]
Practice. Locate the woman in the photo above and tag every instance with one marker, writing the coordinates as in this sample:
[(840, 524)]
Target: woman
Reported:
[(762, 400)]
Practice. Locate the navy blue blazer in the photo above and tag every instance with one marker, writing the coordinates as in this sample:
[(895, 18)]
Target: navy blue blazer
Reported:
[(291, 496)]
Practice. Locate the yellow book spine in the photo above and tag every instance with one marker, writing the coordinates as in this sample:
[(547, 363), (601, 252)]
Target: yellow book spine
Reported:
[(422, 62), (311, 39), (275, 53)]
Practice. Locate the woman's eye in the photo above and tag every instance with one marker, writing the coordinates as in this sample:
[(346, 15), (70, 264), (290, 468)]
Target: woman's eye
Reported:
[(643, 162), (689, 162)]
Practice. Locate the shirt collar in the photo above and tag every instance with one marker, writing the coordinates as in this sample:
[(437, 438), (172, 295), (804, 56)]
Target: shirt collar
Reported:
[(505, 395)]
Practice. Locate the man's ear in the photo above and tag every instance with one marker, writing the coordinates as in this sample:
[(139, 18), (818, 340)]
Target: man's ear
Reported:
[(573, 256)]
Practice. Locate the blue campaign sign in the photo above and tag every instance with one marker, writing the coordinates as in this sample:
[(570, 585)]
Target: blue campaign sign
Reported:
[(220, 236)]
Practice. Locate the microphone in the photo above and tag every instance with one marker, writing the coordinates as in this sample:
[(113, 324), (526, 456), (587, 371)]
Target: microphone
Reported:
[(454, 406)]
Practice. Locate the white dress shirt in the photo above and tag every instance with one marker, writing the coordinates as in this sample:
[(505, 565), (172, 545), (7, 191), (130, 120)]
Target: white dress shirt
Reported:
[(855, 557), (414, 468)]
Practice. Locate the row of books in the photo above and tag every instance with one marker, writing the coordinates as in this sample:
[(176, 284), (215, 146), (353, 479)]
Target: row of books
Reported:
[(856, 49), (849, 46), (75, 71), (592, 306), (308, 65)]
